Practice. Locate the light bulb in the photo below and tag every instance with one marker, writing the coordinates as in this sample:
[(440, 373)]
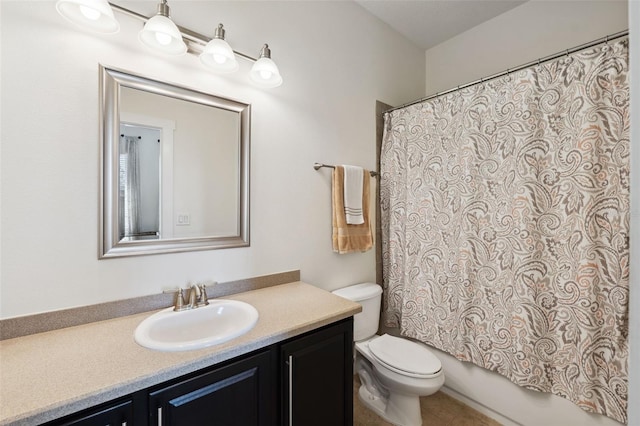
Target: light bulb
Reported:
[(220, 59), (89, 13), (95, 15), (266, 74), (217, 55), (161, 34), (163, 39)]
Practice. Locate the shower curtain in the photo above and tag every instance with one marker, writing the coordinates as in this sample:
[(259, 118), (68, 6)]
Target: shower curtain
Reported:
[(505, 221)]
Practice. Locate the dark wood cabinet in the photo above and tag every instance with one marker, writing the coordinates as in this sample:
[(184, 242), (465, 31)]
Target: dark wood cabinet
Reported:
[(304, 381), (112, 414), (237, 394), (317, 378)]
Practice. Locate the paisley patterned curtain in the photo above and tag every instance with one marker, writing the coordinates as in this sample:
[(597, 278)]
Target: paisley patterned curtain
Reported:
[(505, 218)]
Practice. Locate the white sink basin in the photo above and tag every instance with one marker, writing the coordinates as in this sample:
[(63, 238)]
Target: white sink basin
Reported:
[(218, 322)]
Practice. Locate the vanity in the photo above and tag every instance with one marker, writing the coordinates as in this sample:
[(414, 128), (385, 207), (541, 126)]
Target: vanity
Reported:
[(162, 147), (293, 367)]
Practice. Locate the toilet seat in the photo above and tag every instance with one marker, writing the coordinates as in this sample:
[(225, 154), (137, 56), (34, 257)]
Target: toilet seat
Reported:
[(404, 356)]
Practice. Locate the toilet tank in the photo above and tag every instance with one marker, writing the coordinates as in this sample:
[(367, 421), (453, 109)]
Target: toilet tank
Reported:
[(369, 295)]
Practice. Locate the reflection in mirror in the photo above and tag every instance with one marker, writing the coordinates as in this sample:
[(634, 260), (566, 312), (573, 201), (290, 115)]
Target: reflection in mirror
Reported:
[(175, 168), (139, 182)]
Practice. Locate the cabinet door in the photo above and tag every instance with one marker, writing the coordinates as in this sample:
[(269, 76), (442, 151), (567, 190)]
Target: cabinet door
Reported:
[(318, 377), (239, 393), (114, 415)]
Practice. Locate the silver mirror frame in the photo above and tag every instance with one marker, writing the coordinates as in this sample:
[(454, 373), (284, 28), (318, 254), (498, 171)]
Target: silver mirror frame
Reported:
[(109, 243)]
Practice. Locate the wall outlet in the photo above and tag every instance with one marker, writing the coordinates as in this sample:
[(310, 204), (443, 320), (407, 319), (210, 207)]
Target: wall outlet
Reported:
[(183, 219)]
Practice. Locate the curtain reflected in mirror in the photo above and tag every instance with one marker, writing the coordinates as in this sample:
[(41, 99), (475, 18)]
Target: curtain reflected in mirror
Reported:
[(139, 183), (129, 215)]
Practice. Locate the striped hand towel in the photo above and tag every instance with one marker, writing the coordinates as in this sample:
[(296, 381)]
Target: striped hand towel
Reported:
[(353, 178), (350, 238)]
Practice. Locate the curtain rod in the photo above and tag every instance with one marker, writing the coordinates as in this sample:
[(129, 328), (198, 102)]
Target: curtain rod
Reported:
[(508, 71)]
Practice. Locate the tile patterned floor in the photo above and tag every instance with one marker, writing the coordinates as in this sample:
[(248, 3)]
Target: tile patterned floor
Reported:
[(438, 409)]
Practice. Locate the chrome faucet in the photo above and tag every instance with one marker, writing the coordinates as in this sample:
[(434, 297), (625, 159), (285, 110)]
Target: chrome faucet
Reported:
[(197, 298)]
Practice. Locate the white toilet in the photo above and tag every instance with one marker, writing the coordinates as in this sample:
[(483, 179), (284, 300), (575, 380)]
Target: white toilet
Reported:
[(394, 372)]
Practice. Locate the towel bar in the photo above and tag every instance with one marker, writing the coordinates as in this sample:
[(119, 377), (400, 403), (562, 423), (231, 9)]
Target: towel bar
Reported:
[(318, 166)]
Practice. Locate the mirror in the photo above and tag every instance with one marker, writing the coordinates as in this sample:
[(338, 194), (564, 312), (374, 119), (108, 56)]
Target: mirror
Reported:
[(174, 168)]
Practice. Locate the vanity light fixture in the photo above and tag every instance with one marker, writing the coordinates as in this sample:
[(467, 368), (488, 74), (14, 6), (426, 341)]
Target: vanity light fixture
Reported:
[(92, 14), (264, 72), (218, 55), (162, 34)]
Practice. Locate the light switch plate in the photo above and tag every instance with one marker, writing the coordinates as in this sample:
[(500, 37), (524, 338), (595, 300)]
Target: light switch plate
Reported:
[(183, 219)]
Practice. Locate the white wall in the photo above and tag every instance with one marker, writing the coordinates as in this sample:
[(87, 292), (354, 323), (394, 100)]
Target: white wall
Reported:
[(535, 29), (336, 61)]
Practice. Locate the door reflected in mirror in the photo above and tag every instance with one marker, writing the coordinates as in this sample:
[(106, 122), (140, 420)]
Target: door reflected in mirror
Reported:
[(175, 168)]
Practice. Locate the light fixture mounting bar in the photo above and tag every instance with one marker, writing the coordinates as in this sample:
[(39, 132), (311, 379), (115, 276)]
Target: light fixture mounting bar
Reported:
[(196, 40)]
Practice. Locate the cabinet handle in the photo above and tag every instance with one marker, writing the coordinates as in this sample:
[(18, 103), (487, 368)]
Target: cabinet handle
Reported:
[(290, 390), (159, 416)]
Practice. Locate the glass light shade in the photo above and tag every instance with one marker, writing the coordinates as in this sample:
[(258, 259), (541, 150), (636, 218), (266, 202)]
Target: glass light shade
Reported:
[(265, 73), (219, 57), (161, 34), (95, 15)]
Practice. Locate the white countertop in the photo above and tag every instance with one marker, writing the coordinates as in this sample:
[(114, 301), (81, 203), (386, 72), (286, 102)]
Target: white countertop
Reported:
[(49, 375)]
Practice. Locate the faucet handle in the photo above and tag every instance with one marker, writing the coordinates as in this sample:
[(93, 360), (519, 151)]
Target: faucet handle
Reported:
[(179, 306), (203, 295)]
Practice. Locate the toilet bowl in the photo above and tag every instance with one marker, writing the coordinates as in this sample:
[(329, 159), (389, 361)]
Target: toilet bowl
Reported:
[(394, 372), (394, 375)]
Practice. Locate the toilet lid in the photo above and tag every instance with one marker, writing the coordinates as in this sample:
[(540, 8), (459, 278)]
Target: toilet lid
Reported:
[(404, 355)]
